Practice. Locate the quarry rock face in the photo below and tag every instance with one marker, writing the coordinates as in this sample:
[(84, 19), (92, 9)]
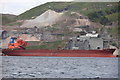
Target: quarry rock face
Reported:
[(47, 18), (51, 17)]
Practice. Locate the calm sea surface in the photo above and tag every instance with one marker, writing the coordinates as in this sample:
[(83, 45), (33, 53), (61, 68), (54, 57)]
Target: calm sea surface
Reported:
[(59, 67)]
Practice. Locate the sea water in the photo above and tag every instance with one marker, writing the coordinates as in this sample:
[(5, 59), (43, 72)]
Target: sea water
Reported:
[(59, 67)]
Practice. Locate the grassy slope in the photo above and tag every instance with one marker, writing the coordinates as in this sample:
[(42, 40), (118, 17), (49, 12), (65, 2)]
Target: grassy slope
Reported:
[(69, 6), (47, 45), (7, 18)]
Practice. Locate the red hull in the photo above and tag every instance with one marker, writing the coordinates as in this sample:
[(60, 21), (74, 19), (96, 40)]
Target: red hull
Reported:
[(60, 53)]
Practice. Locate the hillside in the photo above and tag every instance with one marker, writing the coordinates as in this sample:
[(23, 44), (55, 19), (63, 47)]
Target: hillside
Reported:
[(55, 21), (47, 18), (102, 12), (7, 18)]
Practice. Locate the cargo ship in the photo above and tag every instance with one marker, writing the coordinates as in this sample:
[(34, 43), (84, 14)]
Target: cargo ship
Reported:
[(90, 46), (60, 53)]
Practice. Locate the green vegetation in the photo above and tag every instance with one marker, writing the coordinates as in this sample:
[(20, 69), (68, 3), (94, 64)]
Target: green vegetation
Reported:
[(102, 12), (34, 12), (113, 17), (14, 23), (104, 16), (48, 45), (115, 34), (6, 18)]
